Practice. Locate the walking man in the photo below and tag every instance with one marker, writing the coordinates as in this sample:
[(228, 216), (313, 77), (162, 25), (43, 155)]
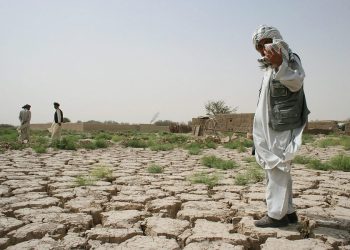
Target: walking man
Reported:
[(279, 121), (24, 118), (56, 127)]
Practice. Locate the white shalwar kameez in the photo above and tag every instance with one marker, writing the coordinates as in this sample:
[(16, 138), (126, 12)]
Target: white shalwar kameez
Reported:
[(274, 150)]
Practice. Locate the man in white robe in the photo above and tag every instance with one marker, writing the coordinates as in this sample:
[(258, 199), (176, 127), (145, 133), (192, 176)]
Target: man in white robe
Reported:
[(275, 148), (24, 118)]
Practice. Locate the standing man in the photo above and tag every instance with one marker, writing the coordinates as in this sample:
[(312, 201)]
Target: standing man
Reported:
[(24, 118), (56, 127), (279, 121)]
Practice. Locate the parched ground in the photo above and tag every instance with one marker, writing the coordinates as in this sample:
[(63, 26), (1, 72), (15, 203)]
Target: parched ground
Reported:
[(41, 208)]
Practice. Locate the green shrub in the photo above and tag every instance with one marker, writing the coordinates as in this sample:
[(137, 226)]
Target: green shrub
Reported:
[(214, 162), (175, 139), (241, 145), (117, 138), (194, 151), (340, 162), (155, 169), (194, 148), (101, 143), (204, 178), (67, 143)]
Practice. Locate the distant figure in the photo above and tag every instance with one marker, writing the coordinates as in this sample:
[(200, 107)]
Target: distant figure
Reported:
[(56, 127), (24, 118), (279, 122)]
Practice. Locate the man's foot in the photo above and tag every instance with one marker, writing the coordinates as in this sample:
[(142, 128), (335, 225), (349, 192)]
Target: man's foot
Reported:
[(267, 221), (292, 218)]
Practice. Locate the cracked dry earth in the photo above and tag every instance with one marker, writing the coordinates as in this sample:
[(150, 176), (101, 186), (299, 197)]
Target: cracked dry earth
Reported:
[(41, 208)]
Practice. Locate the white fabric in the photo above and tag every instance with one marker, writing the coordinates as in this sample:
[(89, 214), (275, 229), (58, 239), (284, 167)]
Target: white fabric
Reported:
[(55, 131), (59, 117), (24, 128), (279, 193), (276, 148)]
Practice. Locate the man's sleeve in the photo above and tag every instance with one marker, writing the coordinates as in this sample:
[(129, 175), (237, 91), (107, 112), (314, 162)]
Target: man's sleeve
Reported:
[(291, 75)]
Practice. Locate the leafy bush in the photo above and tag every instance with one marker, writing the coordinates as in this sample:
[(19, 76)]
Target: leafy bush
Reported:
[(155, 169), (214, 162), (205, 178)]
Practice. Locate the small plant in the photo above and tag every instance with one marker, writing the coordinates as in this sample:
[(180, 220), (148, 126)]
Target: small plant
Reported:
[(205, 178), (101, 172), (155, 169), (87, 145), (84, 181), (117, 138), (211, 144), (249, 159), (214, 162), (68, 143), (194, 148), (327, 142)]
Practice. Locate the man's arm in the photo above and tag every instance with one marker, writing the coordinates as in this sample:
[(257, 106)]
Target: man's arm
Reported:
[(291, 74)]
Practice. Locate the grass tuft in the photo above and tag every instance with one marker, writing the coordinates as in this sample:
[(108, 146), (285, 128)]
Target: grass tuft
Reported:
[(214, 162), (155, 169), (253, 174), (205, 178)]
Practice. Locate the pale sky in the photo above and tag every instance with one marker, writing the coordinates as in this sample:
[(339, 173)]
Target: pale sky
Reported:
[(127, 60)]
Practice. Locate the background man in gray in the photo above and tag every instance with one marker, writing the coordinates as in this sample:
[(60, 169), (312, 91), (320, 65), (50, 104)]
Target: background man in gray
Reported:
[(24, 118), (279, 121)]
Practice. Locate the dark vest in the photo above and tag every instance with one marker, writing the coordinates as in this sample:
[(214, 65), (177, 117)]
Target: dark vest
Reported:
[(287, 110), (56, 116)]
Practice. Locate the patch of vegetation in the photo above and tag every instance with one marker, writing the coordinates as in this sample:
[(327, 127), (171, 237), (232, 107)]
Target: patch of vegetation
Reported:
[(40, 149), (135, 143), (117, 138), (211, 144), (249, 159), (102, 173), (84, 181), (162, 147), (155, 169), (87, 144), (67, 143), (175, 139), (253, 174), (307, 138), (334, 140), (340, 162), (96, 174), (215, 162), (101, 143), (301, 159), (103, 135), (241, 145), (210, 180)]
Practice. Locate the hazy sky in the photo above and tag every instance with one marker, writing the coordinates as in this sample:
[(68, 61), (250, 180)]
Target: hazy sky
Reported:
[(127, 60)]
